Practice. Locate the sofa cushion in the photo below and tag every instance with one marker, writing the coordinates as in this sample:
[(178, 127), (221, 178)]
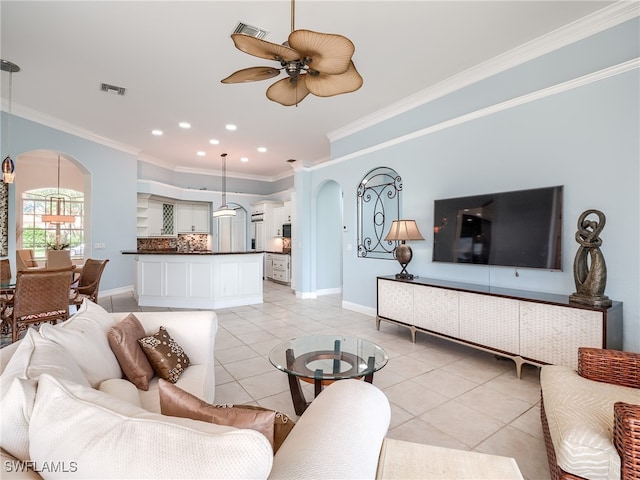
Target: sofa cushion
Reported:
[(193, 380), (109, 438), (84, 336), (177, 403), (123, 389), (581, 420), (17, 404), (123, 340), (166, 356), (33, 357)]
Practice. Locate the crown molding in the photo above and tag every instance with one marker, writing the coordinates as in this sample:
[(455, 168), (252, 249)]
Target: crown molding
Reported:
[(593, 77), (585, 27), (52, 122)]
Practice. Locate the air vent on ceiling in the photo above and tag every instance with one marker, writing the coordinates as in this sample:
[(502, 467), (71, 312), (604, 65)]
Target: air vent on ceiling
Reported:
[(105, 87), (249, 30)]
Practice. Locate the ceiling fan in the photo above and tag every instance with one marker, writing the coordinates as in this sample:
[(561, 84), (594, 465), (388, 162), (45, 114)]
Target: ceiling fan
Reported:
[(317, 63)]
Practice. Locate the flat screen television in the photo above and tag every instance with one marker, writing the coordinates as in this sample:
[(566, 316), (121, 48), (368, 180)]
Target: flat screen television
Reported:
[(516, 229)]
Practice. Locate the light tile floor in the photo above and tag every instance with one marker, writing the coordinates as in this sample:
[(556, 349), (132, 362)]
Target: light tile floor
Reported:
[(441, 393)]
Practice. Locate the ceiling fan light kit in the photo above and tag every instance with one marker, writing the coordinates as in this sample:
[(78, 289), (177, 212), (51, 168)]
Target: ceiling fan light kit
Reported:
[(316, 63)]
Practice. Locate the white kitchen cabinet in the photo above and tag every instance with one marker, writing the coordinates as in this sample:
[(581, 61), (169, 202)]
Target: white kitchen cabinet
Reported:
[(161, 218), (268, 265), (281, 272), (193, 217)]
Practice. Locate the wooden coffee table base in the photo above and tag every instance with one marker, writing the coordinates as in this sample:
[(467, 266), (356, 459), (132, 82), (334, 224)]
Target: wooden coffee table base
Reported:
[(299, 364)]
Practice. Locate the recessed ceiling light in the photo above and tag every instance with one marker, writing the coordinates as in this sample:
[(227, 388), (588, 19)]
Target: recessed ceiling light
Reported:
[(184, 125), (262, 149), (213, 141), (230, 126), (157, 133), (200, 153), (244, 159)]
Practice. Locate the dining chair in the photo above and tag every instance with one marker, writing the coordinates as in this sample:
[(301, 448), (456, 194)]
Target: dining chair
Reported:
[(6, 290), (89, 282), (25, 259), (40, 296), (58, 259)]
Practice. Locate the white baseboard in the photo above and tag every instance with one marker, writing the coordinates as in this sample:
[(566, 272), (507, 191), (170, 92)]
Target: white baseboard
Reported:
[(371, 312), (115, 291)]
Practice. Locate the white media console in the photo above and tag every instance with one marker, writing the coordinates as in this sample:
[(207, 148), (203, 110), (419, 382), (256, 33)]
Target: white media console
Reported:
[(527, 327)]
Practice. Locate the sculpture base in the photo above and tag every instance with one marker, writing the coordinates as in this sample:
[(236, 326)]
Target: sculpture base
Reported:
[(597, 301), (404, 276)]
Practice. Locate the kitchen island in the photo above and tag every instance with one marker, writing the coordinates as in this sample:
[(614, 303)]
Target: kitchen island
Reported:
[(197, 279)]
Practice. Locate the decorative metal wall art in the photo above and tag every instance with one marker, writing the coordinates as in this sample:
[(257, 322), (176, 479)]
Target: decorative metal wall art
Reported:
[(379, 194), (589, 267)]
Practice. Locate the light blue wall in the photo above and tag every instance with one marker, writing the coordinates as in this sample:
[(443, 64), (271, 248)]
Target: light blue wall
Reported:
[(585, 138), (329, 238), (113, 184)]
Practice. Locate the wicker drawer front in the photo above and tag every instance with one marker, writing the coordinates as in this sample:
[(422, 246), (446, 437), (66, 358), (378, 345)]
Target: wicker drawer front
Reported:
[(552, 334), (436, 309), (395, 301), (490, 321)]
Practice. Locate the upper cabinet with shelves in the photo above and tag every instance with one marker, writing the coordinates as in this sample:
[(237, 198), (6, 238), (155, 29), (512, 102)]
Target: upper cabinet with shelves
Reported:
[(156, 217)]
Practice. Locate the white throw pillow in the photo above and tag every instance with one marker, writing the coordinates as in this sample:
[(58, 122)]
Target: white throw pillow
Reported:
[(105, 437), (33, 357), (84, 336)]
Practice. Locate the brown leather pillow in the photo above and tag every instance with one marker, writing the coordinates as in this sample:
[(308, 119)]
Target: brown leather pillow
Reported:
[(165, 355), (177, 403), (123, 340)]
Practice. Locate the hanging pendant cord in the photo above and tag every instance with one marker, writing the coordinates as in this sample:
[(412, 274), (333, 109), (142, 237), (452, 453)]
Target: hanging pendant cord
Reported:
[(10, 114), (224, 179)]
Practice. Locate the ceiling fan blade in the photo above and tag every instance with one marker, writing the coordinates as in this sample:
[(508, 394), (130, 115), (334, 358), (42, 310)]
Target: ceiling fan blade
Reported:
[(287, 93), (328, 85), (330, 53), (262, 48), (251, 74)]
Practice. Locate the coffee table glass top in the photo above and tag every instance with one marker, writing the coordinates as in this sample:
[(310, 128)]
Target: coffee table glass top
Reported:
[(328, 357)]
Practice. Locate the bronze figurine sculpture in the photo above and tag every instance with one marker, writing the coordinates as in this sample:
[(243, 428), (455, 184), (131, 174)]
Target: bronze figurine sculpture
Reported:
[(589, 267)]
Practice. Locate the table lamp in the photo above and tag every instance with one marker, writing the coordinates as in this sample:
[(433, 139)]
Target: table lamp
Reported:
[(401, 231)]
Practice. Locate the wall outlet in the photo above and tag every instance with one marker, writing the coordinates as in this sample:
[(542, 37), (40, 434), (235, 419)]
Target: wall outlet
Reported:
[(99, 246)]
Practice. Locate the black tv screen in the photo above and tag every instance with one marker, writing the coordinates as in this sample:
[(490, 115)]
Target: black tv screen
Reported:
[(516, 229)]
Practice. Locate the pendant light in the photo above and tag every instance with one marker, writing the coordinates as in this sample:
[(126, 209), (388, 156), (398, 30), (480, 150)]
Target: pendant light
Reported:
[(58, 206), (8, 166), (224, 210)]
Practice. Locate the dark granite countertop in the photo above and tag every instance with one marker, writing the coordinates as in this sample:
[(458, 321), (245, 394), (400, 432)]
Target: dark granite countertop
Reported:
[(176, 252)]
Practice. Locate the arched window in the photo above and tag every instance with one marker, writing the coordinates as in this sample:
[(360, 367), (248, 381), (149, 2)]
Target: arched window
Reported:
[(39, 235), (378, 205)]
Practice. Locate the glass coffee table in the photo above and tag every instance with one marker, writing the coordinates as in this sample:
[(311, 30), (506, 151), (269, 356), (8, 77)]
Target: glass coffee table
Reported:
[(323, 359)]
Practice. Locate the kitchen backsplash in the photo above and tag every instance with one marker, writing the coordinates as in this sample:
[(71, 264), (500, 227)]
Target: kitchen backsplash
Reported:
[(183, 243)]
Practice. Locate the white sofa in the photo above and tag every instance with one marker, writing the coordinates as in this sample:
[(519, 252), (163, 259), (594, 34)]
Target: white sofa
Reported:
[(67, 410)]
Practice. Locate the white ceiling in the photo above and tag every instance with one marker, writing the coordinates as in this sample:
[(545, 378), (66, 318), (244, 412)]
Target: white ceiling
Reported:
[(171, 56)]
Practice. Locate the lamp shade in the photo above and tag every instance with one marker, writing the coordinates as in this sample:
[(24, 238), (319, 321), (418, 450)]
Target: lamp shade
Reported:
[(402, 230), (224, 211)]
